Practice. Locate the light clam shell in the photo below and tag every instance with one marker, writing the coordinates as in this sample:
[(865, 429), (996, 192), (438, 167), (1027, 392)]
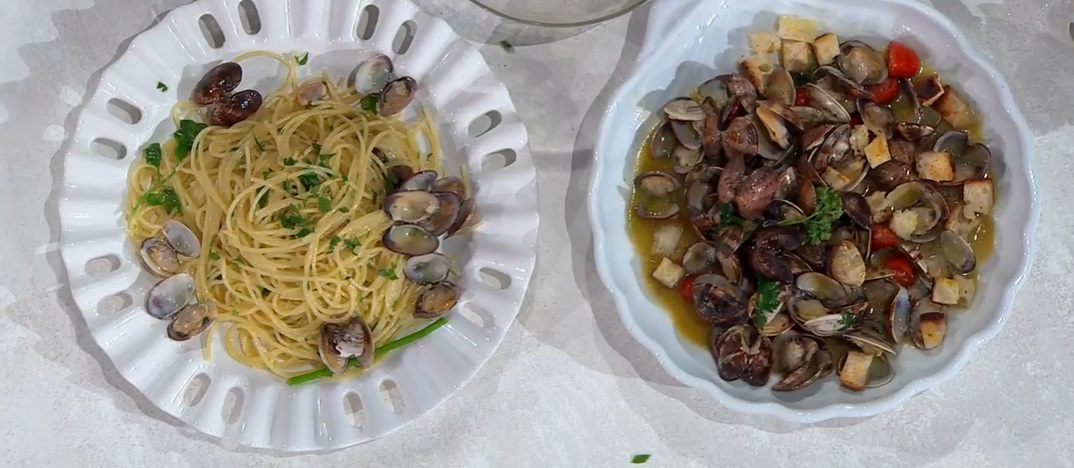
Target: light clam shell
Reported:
[(396, 96), (411, 206), (181, 238), (409, 239), (340, 342), (170, 295), (159, 257), (192, 320), (436, 300), (374, 74), (427, 269)]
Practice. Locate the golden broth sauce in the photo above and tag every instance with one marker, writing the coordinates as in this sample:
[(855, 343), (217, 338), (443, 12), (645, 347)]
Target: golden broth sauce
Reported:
[(642, 230)]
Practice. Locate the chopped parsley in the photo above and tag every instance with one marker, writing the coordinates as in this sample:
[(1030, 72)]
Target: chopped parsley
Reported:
[(289, 161), (321, 158), (162, 87), (351, 243), (846, 320), (324, 204), (153, 155), (302, 59), (333, 243), (291, 218), (369, 103), (260, 145), (765, 300), (818, 226), (344, 209), (234, 312), (166, 198), (728, 216), (640, 458), (389, 273), (184, 137), (213, 255), (309, 180)]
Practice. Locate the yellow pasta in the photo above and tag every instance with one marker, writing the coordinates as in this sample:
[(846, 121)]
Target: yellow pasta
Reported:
[(287, 205)]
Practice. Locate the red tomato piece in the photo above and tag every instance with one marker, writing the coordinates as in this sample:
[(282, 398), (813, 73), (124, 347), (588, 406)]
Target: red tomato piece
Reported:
[(801, 96), (885, 92), (903, 62), (686, 287), (883, 237), (855, 119), (903, 270)]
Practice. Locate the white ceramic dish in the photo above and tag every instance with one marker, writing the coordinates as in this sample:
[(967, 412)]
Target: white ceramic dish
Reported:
[(253, 408), (688, 42)]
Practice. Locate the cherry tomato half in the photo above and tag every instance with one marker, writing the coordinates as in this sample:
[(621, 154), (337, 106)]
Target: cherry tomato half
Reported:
[(885, 92), (903, 62), (801, 96), (882, 237), (903, 270), (686, 287)]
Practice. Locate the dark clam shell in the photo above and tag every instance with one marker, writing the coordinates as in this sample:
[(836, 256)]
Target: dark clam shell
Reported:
[(235, 108), (217, 84)]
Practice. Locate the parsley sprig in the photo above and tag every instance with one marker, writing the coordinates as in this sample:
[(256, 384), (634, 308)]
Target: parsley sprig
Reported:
[(158, 194), (389, 273), (765, 300), (728, 216), (818, 226), (369, 103), (846, 320)]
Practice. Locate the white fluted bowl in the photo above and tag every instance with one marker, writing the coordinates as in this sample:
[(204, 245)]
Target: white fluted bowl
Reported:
[(221, 397), (686, 44)]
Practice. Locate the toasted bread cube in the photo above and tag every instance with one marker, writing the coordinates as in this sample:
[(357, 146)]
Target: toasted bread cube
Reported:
[(877, 152), (937, 166), (837, 180), (666, 240), (826, 48), (859, 139), (757, 69), (978, 196), (904, 223), (881, 212), (796, 56), (967, 289), (669, 273), (763, 43), (954, 109), (945, 291), (855, 371), (933, 329), (797, 29)]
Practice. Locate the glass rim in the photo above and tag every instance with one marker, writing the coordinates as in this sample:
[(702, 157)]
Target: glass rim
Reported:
[(630, 7)]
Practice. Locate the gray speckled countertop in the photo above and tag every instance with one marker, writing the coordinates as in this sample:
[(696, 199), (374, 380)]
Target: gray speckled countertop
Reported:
[(569, 386)]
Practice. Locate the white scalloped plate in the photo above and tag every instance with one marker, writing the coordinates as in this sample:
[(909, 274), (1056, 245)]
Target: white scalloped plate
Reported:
[(687, 42), (253, 408)]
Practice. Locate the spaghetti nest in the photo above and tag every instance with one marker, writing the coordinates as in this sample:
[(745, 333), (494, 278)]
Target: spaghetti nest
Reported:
[(287, 205)]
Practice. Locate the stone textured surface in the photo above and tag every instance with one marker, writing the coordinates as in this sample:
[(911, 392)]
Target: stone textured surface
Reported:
[(569, 387)]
